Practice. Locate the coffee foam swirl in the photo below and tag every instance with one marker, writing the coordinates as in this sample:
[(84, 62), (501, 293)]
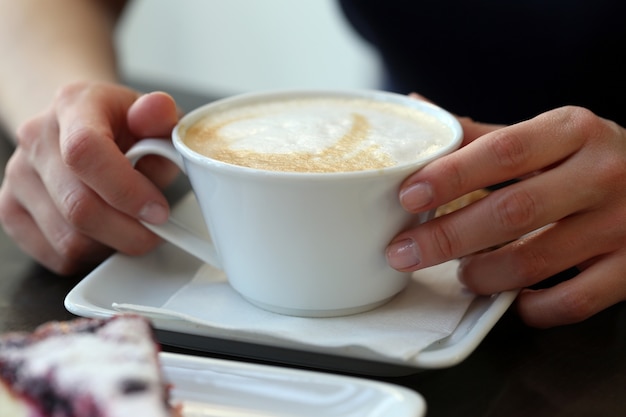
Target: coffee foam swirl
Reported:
[(317, 135)]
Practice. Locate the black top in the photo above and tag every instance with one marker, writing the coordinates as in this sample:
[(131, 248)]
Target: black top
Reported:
[(501, 61)]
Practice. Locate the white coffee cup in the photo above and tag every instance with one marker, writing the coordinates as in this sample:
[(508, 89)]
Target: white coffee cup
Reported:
[(299, 243)]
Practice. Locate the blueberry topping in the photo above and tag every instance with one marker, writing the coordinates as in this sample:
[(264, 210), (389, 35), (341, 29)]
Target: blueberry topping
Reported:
[(133, 386)]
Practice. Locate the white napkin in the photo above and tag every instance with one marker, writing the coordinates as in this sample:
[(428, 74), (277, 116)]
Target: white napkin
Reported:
[(428, 310)]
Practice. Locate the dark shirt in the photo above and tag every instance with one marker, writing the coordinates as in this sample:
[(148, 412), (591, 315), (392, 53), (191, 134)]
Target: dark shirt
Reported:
[(501, 61)]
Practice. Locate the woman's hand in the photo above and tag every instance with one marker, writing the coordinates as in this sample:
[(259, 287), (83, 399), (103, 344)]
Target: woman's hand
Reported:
[(569, 209), (70, 197)]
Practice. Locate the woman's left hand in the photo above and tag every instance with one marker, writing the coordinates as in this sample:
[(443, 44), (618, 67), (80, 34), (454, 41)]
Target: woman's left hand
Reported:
[(568, 209)]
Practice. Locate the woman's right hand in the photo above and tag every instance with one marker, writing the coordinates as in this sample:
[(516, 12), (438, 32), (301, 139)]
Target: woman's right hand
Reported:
[(69, 196)]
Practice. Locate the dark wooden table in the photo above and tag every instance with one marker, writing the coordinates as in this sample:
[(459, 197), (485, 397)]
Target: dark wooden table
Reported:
[(577, 370)]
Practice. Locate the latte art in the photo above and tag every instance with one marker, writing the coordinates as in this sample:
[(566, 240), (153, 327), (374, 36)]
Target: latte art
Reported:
[(317, 135)]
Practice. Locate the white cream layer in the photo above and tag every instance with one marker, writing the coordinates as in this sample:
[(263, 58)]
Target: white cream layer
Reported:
[(97, 364)]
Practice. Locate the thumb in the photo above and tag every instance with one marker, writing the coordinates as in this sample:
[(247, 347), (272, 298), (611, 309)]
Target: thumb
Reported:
[(152, 115)]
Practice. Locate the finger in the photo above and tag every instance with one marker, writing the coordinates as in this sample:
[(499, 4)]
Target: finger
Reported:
[(25, 231), (593, 290), (496, 157), (88, 146), (20, 226), (51, 248), (541, 255), (87, 216), (73, 218), (502, 216), (154, 115)]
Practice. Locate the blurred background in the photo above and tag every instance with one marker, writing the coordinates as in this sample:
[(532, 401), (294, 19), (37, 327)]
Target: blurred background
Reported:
[(223, 47)]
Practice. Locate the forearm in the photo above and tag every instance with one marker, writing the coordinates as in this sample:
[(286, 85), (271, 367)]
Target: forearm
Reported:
[(47, 43)]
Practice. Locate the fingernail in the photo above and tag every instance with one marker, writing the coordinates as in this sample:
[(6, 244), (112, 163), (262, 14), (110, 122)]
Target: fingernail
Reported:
[(154, 213), (416, 196), (403, 254)]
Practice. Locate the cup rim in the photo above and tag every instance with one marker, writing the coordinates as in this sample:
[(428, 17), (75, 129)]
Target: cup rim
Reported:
[(446, 117)]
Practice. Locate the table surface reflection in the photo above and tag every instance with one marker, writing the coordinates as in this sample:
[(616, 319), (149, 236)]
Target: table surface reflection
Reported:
[(576, 370)]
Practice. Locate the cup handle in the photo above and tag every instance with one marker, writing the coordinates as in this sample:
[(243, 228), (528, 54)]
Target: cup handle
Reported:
[(173, 230)]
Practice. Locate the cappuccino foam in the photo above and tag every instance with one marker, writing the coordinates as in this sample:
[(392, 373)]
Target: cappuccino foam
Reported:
[(318, 135)]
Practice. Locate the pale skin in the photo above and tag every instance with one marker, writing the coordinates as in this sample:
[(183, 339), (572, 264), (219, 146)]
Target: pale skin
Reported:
[(55, 201), (573, 166), (70, 197)]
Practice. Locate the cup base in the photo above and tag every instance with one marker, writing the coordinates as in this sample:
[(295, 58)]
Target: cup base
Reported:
[(338, 312)]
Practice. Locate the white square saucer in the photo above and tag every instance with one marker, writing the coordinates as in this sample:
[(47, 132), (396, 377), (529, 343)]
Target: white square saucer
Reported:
[(150, 280)]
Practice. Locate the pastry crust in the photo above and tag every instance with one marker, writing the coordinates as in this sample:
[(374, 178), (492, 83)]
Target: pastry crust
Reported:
[(461, 202)]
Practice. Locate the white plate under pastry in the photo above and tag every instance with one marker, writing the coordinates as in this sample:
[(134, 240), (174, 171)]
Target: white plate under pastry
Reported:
[(209, 387)]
